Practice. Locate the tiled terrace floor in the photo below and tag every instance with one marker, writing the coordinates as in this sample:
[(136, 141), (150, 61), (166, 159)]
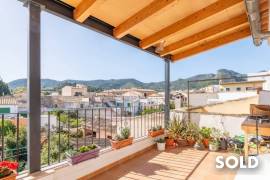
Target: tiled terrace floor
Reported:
[(179, 163)]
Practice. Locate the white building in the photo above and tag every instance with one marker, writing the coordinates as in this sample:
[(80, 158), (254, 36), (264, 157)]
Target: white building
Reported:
[(265, 76), (78, 90)]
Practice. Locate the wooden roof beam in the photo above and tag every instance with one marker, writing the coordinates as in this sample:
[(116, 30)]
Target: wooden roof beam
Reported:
[(83, 10), (213, 44), (229, 24), (124, 28), (200, 15)]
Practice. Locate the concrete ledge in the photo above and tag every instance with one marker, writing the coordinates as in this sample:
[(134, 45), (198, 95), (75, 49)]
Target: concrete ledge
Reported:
[(93, 167)]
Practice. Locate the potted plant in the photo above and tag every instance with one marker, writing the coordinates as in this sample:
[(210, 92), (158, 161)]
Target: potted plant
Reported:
[(160, 144), (173, 132), (199, 143), (224, 141), (205, 133), (214, 143), (8, 170), (155, 131), (84, 153), (191, 133), (122, 140)]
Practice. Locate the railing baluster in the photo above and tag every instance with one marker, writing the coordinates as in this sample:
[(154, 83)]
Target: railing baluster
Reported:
[(111, 123), (134, 119), (68, 129), (77, 135), (105, 128), (48, 137), (121, 116), (99, 126), (3, 140), (130, 119), (59, 137), (116, 120), (85, 127), (92, 126), (17, 138), (141, 119)]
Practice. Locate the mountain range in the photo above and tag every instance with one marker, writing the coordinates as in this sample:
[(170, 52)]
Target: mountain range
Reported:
[(129, 83)]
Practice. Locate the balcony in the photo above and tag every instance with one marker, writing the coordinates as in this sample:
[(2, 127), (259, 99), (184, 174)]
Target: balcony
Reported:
[(70, 129)]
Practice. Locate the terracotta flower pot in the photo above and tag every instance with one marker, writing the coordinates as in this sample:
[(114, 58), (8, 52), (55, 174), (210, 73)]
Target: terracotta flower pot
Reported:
[(11, 176), (206, 142), (122, 143), (170, 142), (182, 142), (156, 133), (191, 142), (75, 159)]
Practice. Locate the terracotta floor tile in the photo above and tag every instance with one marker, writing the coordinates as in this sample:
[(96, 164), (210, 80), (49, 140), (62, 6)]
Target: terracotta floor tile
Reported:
[(173, 164)]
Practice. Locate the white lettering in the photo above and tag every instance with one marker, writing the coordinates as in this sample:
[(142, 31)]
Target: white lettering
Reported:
[(231, 166), (255, 160), (220, 163)]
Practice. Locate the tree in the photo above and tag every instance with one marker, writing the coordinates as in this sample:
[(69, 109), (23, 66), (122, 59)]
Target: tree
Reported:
[(11, 143), (4, 89), (54, 148)]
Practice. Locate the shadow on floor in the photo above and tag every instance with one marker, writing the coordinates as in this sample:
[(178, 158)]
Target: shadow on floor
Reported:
[(172, 164)]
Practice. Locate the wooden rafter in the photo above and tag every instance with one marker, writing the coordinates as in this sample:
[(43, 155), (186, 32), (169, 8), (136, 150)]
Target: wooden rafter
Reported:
[(188, 21), (140, 16), (213, 43), (83, 10), (229, 24)]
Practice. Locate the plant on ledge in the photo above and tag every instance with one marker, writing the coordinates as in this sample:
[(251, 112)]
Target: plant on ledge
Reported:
[(191, 133), (214, 143), (160, 144), (173, 132), (122, 140), (155, 131), (8, 170), (83, 153), (205, 133)]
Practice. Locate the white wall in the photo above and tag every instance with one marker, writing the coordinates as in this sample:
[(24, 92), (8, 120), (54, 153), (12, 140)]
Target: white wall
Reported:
[(229, 123)]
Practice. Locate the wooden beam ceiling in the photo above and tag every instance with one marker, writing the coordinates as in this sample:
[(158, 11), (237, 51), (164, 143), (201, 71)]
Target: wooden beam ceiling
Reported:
[(200, 15), (213, 44), (227, 25), (124, 28), (83, 10)]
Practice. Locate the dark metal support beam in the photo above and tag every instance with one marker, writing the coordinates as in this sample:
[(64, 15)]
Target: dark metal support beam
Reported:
[(167, 92), (33, 83)]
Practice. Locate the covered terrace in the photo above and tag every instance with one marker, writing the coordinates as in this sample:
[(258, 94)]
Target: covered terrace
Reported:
[(169, 29)]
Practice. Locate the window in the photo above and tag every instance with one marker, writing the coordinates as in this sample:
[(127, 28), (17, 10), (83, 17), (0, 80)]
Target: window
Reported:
[(227, 89), (238, 89)]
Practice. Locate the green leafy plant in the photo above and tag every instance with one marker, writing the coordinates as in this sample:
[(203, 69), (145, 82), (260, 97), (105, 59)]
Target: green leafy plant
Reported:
[(125, 133), (160, 140), (205, 132), (191, 131), (174, 129), (155, 128)]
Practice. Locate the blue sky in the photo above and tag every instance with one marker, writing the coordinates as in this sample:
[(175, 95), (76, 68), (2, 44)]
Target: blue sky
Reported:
[(73, 52)]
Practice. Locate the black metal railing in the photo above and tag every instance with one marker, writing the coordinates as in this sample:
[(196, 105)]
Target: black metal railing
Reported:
[(14, 138), (62, 130), (73, 128)]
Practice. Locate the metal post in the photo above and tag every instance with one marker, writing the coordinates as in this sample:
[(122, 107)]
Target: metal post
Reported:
[(188, 102), (33, 143), (167, 92)]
